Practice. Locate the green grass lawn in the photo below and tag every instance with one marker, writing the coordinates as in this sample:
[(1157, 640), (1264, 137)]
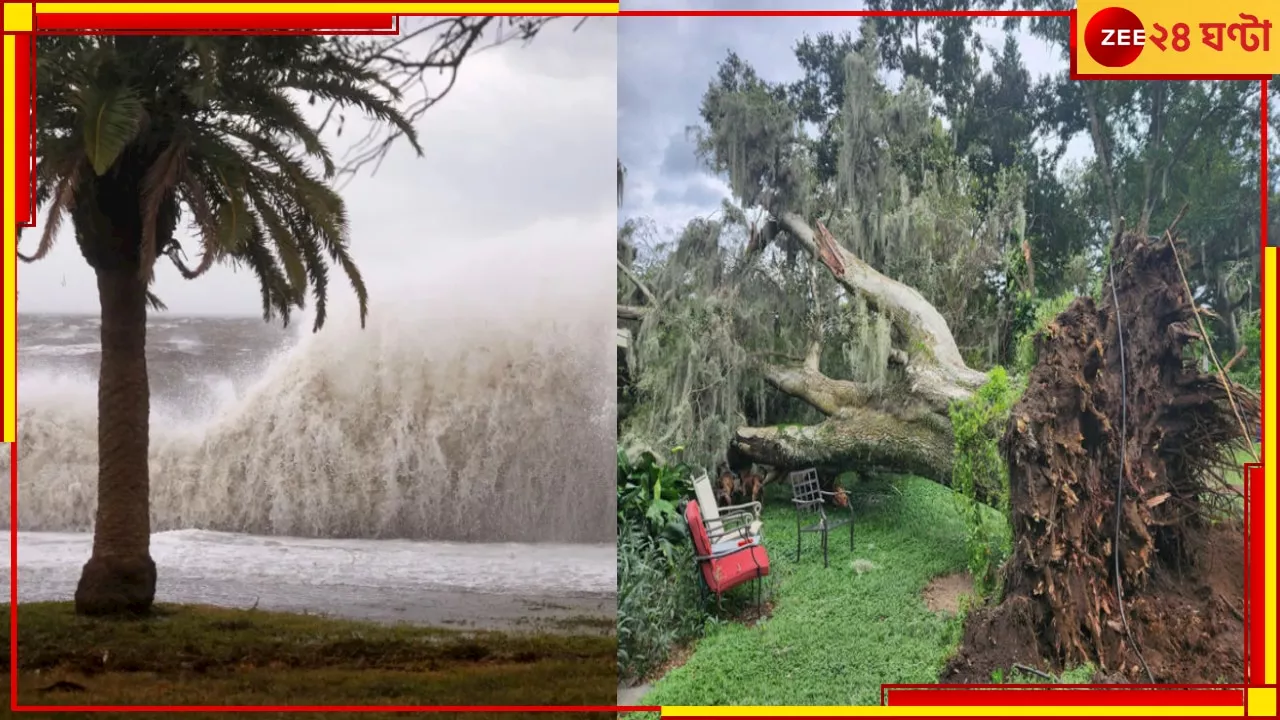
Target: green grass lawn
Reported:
[(1236, 475), (836, 634), (1243, 457), (192, 655)]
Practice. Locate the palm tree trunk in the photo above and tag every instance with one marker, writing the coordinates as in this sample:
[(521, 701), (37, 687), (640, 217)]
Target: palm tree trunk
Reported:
[(120, 577)]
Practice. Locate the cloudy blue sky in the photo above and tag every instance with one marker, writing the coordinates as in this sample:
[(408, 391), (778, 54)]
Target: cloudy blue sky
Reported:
[(665, 64)]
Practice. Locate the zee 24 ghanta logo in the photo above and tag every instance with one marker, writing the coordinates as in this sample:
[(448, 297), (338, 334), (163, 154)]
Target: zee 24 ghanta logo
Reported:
[(1115, 37)]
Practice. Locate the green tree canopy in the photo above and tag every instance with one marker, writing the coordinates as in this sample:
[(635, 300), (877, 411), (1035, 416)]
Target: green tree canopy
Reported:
[(136, 135)]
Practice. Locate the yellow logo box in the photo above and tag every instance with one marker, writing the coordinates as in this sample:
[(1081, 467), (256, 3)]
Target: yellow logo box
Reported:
[(1173, 38)]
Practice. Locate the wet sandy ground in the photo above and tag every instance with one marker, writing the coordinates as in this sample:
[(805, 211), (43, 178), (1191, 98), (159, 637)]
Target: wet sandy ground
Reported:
[(501, 587)]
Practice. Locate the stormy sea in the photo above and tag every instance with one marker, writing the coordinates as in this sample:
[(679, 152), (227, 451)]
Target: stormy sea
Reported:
[(451, 463)]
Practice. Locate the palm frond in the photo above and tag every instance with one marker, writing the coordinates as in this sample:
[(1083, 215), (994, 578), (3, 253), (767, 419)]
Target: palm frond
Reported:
[(284, 161), (234, 223), (157, 185), (62, 194), (112, 117), (277, 296), (205, 86), (346, 93), (342, 256), (193, 192), (155, 303), (63, 200), (286, 244), (274, 113), (313, 258)]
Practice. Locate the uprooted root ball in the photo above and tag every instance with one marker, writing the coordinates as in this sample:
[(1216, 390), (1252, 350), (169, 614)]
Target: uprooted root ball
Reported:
[(1181, 564)]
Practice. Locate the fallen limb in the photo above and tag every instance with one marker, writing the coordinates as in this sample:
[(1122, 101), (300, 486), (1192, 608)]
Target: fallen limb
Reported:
[(1032, 671), (903, 427)]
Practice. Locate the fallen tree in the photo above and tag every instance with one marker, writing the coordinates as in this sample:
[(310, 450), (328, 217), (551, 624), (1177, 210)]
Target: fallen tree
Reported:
[(1119, 468), (902, 426), (914, 259)]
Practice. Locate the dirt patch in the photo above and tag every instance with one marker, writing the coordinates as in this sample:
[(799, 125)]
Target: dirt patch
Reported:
[(945, 593), (677, 658), (752, 614), (1181, 574), (632, 695)]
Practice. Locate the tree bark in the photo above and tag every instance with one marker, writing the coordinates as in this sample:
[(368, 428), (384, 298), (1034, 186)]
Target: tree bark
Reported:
[(120, 576), (1098, 133), (906, 429), (632, 312), (866, 438), (931, 349), (635, 280)]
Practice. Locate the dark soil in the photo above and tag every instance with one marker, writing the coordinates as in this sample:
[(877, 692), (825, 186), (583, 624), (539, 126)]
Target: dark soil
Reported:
[(1182, 573)]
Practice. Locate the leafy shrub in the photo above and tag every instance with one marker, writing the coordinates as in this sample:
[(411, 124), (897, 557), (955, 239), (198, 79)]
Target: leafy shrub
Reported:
[(1246, 371), (1044, 312), (659, 605), (649, 492), (979, 470), (658, 601)]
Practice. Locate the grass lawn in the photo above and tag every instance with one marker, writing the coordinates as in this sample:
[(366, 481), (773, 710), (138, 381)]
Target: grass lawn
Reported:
[(1236, 475), (836, 634), (194, 655), (1243, 457)]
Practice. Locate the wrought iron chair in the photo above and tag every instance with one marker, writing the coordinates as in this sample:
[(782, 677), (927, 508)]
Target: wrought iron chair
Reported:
[(809, 497)]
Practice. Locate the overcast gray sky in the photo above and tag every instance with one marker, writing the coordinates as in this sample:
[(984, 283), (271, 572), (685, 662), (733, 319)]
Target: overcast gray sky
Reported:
[(523, 146), (665, 64)]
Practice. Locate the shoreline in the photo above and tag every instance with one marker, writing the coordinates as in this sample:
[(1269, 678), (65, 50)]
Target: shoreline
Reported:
[(461, 610), (508, 588), (446, 610)]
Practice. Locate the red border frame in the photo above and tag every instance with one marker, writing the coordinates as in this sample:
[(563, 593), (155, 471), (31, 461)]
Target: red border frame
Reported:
[(199, 24), (1047, 694), (913, 695)]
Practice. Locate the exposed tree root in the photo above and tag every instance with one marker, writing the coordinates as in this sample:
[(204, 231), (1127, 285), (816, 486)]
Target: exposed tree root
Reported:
[(1182, 574)]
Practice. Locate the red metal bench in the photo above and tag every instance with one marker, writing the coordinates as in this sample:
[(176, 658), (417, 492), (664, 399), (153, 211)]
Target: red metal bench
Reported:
[(728, 563)]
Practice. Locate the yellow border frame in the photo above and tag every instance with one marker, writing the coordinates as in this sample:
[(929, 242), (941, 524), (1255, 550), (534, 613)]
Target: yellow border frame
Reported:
[(10, 243), (1269, 260), (18, 17), (974, 711), (397, 8)]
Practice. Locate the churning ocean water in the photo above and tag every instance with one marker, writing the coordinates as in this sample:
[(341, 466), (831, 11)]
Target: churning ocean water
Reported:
[(459, 451)]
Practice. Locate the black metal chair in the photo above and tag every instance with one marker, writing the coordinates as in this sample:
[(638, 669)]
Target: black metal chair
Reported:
[(809, 497)]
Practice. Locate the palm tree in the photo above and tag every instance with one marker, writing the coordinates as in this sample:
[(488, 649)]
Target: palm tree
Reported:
[(137, 134)]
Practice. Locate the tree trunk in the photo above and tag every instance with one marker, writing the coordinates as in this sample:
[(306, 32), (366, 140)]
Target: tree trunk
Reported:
[(867, 439), (906, 428), (120, 577), (1103, 152)]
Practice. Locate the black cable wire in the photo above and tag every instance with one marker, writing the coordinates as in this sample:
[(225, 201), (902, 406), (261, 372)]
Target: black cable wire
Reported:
[(1124, 432)]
